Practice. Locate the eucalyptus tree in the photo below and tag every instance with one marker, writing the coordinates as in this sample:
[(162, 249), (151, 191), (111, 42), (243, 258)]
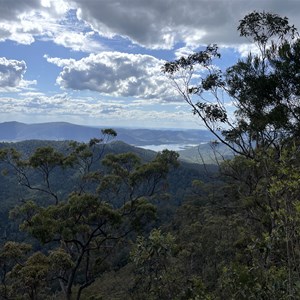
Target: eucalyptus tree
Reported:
[(79, 232), (263, 130), (265, 95)]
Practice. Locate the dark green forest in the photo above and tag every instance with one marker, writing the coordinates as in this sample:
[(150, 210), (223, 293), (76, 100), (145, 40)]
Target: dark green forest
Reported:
[(103, 220)]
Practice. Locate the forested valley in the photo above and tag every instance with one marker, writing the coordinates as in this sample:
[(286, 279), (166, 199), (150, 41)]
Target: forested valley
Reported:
[(102, 220)]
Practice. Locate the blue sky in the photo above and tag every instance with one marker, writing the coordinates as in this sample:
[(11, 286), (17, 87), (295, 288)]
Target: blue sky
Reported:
[(97, 62)]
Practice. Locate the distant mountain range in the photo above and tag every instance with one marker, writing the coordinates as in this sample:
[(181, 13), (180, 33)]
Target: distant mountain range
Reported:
[(59, 131), (195, 143)]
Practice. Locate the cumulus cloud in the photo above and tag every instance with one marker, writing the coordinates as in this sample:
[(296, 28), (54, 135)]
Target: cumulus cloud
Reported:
[(11, 76), (78, 41), (153, 24), (26, 21), (183, 51), (115, 74), (60, 62), (21, 20), (14, 10), (11, 9), (11, 72), (162, 24)]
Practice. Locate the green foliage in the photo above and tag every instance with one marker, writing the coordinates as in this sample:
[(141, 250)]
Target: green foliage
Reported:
[(79, 232), (109, 132), (235, 236), (12, 257), (30, 279), (243, 234), (260, 86), (261, 26), (151, 258)]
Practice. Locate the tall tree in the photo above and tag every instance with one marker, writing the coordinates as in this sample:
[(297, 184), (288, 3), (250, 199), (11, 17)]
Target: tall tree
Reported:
[(263, 93), (262, 210)]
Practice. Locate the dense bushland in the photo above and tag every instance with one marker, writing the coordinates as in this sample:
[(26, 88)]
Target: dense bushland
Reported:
[(101, 226)]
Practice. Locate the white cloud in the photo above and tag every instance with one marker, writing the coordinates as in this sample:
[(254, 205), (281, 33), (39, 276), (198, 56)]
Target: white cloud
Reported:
[(245, 49), (11, 9), (78, 41), (115, 74), (60, 62), (35, 107), (11, 76), (184, 51), (162, 24), (22, 21), (152, 24), (26, 21), (11, 72), (31, 94), (26, 85)]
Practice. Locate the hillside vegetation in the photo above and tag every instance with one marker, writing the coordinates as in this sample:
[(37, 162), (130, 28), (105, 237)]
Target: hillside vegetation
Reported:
[(102, 220)]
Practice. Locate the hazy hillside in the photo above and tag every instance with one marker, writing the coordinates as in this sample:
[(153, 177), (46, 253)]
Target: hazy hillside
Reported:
[(142, 137), (12, 193), (206, 153), (59, 131), (15, 131)]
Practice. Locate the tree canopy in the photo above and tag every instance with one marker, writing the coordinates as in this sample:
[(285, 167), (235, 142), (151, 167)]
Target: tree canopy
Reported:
[(263, 87)]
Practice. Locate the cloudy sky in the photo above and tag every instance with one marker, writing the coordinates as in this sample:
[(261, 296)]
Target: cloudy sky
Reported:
[(97, 62)]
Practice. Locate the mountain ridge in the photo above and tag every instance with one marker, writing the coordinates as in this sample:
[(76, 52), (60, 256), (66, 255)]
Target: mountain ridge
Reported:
[(14, 131)]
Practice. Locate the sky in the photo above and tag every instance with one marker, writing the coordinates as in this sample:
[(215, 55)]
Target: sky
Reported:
[(98, 62)]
